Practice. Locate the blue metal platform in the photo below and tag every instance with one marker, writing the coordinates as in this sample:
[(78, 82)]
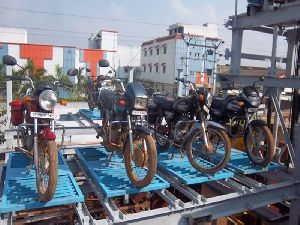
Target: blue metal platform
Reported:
[(182, 169), (91, 114), (240, 163), (111, 178), (20, 191)]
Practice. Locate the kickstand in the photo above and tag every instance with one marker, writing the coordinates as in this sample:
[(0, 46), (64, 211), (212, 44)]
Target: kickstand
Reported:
[(110, 156), (181, 154)]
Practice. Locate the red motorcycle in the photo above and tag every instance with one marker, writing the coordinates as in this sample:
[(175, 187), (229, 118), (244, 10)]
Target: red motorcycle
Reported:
[(34, 117)]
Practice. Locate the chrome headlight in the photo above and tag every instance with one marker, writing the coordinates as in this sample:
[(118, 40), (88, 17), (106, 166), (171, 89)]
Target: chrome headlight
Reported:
[(208, 99), (48, 100), (140, 103), (254, 101)]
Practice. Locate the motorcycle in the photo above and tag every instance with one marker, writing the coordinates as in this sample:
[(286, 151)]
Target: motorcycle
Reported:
[(37, 133), (124, 128), (239, 114), (182, 123)]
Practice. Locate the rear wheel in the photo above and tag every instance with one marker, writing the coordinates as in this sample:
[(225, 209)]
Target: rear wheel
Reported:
[(162, 131), (259, 144), (46, 178), (209, 159), (141, 165)]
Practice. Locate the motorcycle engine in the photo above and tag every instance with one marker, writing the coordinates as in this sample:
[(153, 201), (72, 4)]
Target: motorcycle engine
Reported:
[(181, 128), (237, 128)]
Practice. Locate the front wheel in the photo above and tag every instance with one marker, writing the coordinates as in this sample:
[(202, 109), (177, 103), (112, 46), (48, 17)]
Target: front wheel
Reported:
[(141, 165), (161, 134), (259, 144), (212, 158), (46, 178)]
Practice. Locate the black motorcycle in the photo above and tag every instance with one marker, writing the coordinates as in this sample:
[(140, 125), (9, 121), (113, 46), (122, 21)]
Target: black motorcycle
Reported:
[(182, 123), (239, 114), (124, 127)]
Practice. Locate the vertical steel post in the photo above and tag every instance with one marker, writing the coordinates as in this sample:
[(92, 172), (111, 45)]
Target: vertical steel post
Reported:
[(295, 204), (273, 73), (8, 71)]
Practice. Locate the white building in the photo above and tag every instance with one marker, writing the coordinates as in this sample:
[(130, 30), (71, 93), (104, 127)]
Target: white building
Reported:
[(121, 57), (13, 35), (188, 50)]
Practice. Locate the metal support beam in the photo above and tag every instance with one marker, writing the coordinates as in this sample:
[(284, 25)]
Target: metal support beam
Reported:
[(295, 203), (269, 81), (236, 49), (292, 52), (287, 13)]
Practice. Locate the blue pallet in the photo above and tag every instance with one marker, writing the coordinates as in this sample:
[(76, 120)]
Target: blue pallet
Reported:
[(20, 191), (111, 178), (92, 114), (181, 168), (240, 163)]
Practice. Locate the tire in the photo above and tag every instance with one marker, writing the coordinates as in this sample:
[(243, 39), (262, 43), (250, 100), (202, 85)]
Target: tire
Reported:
[(265, 157), (131, 165), (47, 156), (160, 142), (217, 161)]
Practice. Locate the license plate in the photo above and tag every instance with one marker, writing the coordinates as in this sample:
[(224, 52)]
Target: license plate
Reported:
[(139, 113), (255, 109), (43, 115)]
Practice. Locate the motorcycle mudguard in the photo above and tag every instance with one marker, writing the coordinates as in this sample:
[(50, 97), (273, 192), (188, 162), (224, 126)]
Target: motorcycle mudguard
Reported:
[(141, 129), (257, 123), (214, 124), (47, 134)]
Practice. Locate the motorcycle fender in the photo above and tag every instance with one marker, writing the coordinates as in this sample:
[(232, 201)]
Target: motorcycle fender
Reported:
[(257, 123), (141, 129), (47, 134), (214, 124)]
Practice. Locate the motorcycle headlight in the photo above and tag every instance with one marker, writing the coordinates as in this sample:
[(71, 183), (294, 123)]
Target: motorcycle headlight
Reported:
[(208, 99), (255, 101), (140, 103), (48, 100)]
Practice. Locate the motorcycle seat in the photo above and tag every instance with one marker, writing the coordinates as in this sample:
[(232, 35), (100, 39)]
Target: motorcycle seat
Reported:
[(217, 103), (163, 102)]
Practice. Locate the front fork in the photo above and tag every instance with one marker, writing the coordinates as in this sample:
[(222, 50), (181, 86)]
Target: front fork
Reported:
[(130, 134), (35, 142)]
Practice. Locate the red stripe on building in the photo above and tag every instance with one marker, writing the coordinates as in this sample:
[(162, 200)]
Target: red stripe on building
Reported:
[(93, 56), (37, 53)]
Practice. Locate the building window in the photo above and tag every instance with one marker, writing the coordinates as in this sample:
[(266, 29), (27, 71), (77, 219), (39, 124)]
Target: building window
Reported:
[(150, 68), (156, 68), (145, 52), (164, 68), (151, 51), (165, 49), (144, 67), (157, 51)]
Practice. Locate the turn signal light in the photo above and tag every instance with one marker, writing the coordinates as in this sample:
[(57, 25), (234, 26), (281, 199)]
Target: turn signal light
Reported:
[(26, 99), (241, 104), (63, 102), (122, 103)]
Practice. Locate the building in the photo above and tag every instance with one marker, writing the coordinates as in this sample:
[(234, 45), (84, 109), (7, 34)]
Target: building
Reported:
[(13, 35), (188, 51), (125, 57)]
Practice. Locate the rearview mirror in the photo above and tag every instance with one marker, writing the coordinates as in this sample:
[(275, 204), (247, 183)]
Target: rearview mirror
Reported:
[(72, 72), (9, 60), (103, 63)]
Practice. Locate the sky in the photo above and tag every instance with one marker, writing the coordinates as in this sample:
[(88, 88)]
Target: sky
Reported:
[(71, 22)]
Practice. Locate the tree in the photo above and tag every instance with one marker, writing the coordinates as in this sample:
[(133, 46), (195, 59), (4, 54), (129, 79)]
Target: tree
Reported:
[(80, 89)]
